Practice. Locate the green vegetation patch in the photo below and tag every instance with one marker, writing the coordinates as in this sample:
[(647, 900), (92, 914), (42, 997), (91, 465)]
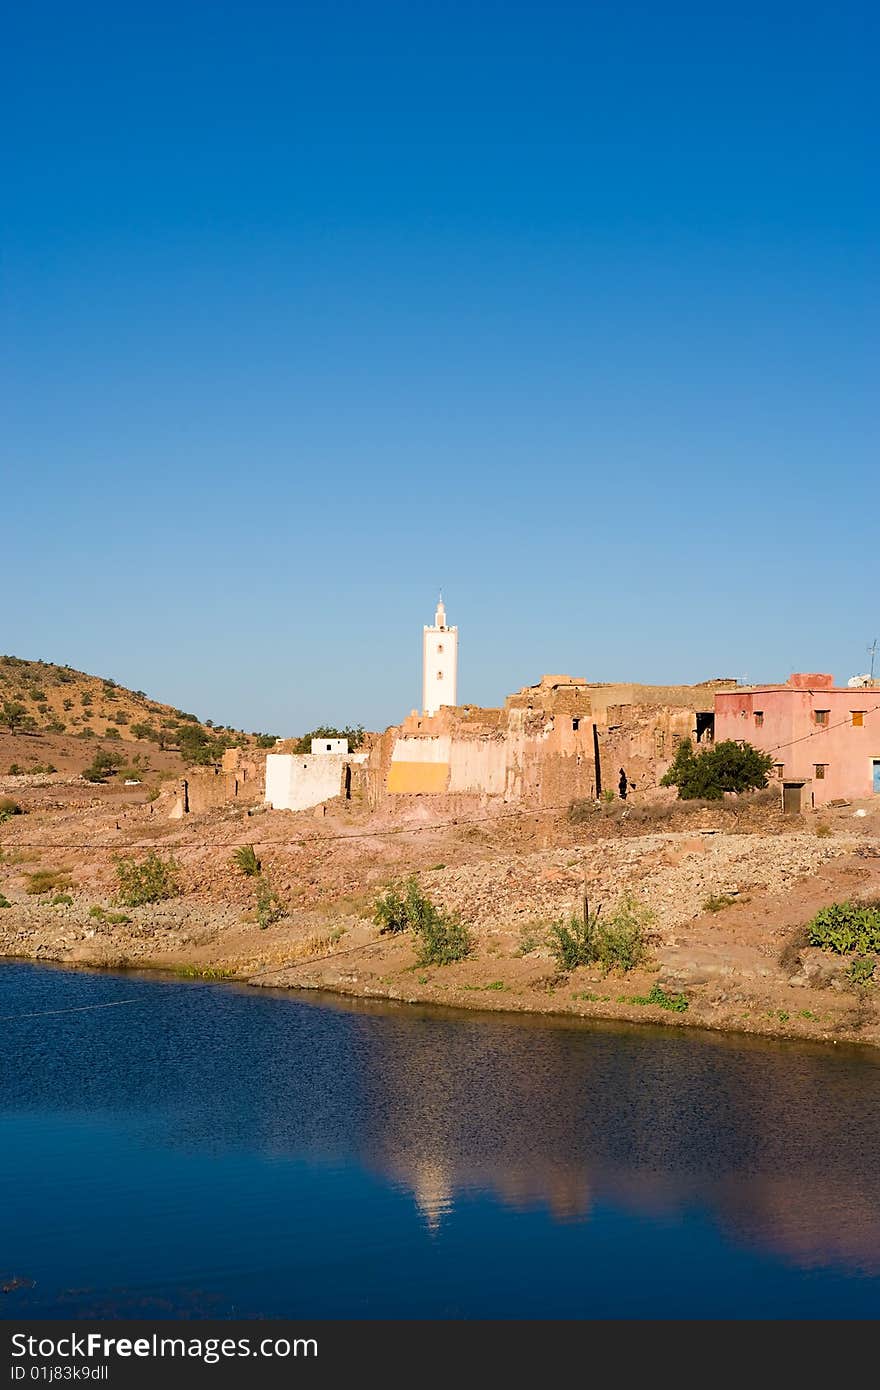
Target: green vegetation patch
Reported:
[(674, 1003), (149, 880), (846, 928), (443, 938), (615, 942)]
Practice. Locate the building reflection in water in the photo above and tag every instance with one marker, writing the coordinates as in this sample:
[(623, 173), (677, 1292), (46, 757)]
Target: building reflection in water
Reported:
[(777, 1142)]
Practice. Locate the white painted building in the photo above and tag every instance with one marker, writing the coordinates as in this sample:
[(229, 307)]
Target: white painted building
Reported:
[(295, 782), (439, 663), (339, 746)]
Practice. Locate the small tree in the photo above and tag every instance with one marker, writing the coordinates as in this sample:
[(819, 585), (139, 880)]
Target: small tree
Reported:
[(13, 714), (103, 763), (726, 767)]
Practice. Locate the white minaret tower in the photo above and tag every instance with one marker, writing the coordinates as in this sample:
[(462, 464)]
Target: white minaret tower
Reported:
[(439, 663)]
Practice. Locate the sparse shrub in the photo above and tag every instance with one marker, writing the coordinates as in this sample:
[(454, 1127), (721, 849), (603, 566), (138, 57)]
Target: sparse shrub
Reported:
[(270, 908), (55, 726), (85, 698), (111, 732), (45, 880), (725, 767), (4, 901), (397, 911), (443, 937), (615, 942), (581, 810), (861, 971), (149, 880), (245, 858), (62, 900), (718, 902), (823, 830), (269, 741), (608, 795), (846, 928), (573, 942), (9, 807)]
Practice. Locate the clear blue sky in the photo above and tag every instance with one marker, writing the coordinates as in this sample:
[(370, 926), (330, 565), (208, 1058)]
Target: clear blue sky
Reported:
[(309, 310)]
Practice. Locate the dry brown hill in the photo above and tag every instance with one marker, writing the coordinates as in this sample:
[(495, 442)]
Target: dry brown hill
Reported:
[(54, 717)]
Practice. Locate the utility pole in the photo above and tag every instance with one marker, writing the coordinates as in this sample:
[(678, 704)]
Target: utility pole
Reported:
[(872, 652)]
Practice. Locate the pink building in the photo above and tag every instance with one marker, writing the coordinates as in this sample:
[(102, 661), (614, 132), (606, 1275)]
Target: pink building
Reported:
[(824, 739)]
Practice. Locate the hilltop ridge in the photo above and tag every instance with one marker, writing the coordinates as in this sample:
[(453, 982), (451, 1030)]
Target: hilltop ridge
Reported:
[(47, 709)]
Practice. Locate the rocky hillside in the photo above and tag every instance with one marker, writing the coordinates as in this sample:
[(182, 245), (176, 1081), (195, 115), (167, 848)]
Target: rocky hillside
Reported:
[(44, 708)]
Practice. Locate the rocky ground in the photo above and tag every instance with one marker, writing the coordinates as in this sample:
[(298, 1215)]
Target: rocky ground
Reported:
[(729, 892)]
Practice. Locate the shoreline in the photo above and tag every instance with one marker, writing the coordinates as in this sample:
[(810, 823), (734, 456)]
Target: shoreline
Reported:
[(752, 1023)]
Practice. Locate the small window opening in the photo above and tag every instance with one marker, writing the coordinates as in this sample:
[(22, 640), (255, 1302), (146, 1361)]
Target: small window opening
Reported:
[(820, 771), (759, 718), (821, 716), (439, 675), (858, 718), (779, 769), (575, 724)]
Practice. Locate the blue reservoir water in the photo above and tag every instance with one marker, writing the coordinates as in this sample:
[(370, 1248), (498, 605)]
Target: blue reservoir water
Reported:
[(207, 1151)]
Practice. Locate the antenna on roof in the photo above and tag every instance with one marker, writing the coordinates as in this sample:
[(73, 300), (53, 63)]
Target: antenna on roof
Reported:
[(872, 652)]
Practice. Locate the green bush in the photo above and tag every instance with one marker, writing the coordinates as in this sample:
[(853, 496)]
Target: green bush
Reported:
[(270, 908), (861, 971), (615, 942), (62, 900), (9, 807), (245, 858), (4, 901), (443, 938), (846, 928), (149, 880), (726, 767)]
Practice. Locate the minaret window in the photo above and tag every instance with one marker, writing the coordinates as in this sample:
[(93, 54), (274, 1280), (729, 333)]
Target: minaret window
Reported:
[(439, 675)]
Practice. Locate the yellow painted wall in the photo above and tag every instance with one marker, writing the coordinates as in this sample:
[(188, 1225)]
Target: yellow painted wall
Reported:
[(418, 777)]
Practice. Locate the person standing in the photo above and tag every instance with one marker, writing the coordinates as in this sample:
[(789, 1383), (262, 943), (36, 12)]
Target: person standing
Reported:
[(622, 785)]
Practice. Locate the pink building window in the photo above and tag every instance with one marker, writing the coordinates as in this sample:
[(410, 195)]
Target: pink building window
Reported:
[(759, 718), (820, 771), (858, 718), (821, 716)]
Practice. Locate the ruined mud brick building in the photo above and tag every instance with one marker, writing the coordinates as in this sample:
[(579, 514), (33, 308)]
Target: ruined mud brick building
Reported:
[(551, 743)]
